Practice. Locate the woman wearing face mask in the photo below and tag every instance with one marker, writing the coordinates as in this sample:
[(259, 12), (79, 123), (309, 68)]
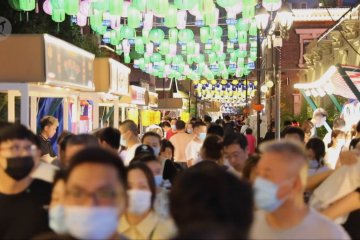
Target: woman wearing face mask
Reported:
[(315, 149), (334, 148), (140, 221)]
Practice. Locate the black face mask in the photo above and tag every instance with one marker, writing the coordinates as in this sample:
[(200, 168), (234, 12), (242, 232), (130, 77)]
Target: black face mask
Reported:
[(19, 167)]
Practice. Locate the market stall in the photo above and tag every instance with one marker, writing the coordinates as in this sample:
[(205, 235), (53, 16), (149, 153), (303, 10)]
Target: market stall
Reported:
[(42, 66)]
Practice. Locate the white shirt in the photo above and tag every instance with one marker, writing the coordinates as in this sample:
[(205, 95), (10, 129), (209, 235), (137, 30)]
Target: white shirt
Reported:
[(45, 171), (130, 154), (327, 139), (332, 156), (192, 150), (313, 226)]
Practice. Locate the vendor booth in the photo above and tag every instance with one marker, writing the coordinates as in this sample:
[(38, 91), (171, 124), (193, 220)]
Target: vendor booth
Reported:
[(41, 66)]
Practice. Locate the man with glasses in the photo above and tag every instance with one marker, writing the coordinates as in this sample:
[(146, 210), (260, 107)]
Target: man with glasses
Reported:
[(95, 196), (235, 151), (23, 199)]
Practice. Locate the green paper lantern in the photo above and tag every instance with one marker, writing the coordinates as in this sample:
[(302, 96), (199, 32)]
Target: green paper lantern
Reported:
[(96, 20), (15, 4), (225, 75), (212, 58), (134, 17), (150, 5), (216, 32), (145, 35), (101, 5), (178, 59), (164, 47), (242, 25), (226, 3), (173, 35), (171, 17), (241, 62), (27, 5), (204, 34), (156, 57), (253, 29), (185, 35), (230, 47), (156, 35), (168, 59), (116, 7), (210, 18), (71, 7), (190, 48), (127, 32), (58, 15), (206, 6), (146, 59), (127, 58), (232, 33), (242, 37), (113, 38), (161, 7), (248, 12), (189, 59), (185, 4), (139, 45), (216, 45), (233, 57), (222, 57), (140, 5)]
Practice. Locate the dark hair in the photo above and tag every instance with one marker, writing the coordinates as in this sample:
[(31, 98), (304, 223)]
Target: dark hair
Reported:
[(339, 123), (227, 118), (82, 139), (248, 131), (47, 121), (294, 130), (111, 136), (249, 165), (215, 130), (287, 123), (358, 127), (353, 143), (180, 125), (63, 135), (144, 158), (236, 138), (207, 119), (149, 177), (206, 192), (131, 126), (98, 155), (334, 134), (64, 141), (212, 147), (198, 124), (17, 131), (318, 147), (166, 124), (144, 149), (59, 175), (167, 144), (151, 134)]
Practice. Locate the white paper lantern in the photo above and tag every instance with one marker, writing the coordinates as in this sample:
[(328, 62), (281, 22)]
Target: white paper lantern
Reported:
[(126, 46), (149, 48), (181, 19), (148, 20)]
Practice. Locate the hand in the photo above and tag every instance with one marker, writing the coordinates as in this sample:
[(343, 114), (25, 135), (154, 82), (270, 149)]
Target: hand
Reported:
[(348, 158)]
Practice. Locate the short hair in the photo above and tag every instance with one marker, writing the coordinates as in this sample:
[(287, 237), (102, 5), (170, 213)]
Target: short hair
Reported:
[(198, 124), (144, 158), (287, 123), (166, 124), (167, 144), (294, 130), (18, 131), (283, 146), (339, 123), (130, 125), (64, 141), (207, 119), (236, 138), (97, 155), (214, 129), (358, 127), (318, 147), (149, 177), (250, 164), (248, 131), (151, 134), (111, 136), (320, 112), (58, 176), (180, 125), (354, 143), (212, 147), (63, 135), (227, 118), (48, 121), (82, 139), (206, 192)]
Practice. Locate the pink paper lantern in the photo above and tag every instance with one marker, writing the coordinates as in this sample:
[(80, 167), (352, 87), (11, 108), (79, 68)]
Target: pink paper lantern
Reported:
[(47, 7), (115, 22), (195, 11), (149, 48), (81, 19), (125, 9), (173, 49), (148, 20), (181, 19), (85, 8)]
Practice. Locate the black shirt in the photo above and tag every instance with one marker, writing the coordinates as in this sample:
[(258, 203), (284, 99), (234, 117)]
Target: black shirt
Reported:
[(46, 147), (25, 215)]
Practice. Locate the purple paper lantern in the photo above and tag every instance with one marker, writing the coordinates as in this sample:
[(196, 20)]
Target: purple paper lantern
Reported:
[(47, 7)]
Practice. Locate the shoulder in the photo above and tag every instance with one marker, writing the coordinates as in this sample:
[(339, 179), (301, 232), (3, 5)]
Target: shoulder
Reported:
[(165, 228), (41, 186)]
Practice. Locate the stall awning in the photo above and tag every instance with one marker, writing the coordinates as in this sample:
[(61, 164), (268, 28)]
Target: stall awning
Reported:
[(173, 103), (341, 80)]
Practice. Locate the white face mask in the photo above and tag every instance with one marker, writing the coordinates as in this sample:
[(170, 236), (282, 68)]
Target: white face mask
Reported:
[(156, 151), (123, 142), (56, 219), (139, 201), (341, 142), (95, 223)]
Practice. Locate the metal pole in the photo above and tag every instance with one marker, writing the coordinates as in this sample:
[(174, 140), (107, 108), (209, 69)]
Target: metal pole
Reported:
[(258, 76), (277, 82)]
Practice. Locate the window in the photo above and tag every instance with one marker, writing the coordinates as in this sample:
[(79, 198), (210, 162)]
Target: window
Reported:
[(303, 5)]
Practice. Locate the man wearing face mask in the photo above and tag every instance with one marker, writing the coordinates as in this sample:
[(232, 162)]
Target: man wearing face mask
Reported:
[(279, 190), (129, 139), (193, 148), (95, 195), (23, 200)]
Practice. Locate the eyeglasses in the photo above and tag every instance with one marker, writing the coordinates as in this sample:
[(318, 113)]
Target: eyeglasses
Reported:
[(102, 196), (16, 149)]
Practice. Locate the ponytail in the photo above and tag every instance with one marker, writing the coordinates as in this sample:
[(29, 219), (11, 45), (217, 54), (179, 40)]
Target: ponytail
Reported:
[(331, 143)]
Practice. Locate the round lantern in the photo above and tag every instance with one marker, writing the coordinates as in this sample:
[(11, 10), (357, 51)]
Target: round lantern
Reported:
[(173, 35), (258, 107), (81, 20), (139, 45), (216, 32), (164, 47), (185, 35), (185, 4), (156, 57), (47, 7), (134, 17), (171, 17), (85, 7), (226, 3), (270, 84), (124, 12), (116, 7), (139, 5), (161, 7), (15, 4), (232, 33), (212, 18), (204, 34), (145, 35), (27, 5), (127, 32), (156, 35), (206, 6), (148, 20), (71, 7), (58, 15), (181, 19)]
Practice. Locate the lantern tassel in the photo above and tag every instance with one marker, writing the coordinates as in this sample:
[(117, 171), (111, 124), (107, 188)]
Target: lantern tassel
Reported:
[(20, 17), (37, 7), (58, 27), (27, 16)]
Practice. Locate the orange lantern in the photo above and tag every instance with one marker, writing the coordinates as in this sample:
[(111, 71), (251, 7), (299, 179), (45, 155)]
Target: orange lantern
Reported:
[(258, 107)]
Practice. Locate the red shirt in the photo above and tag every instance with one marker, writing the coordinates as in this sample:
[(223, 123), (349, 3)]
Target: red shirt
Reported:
[(169, 134), (251, 143)]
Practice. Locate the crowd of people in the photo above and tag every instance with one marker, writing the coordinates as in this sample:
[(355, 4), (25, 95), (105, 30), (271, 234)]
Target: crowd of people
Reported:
[(194, 180)]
